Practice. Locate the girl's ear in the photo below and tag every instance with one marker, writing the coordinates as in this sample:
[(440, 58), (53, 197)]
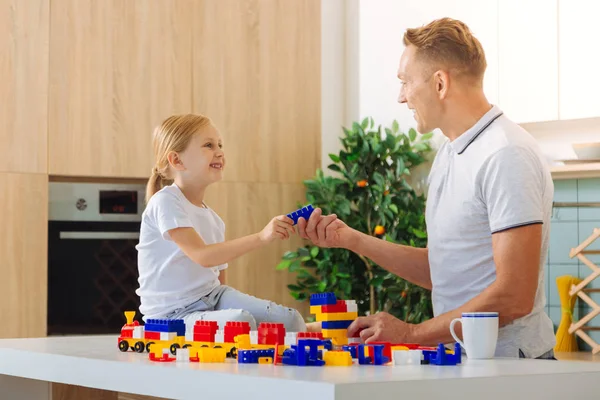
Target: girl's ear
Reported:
[(175, 161)]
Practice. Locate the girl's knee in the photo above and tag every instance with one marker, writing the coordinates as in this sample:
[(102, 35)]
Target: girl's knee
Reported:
[(291, 319), (240, 315)]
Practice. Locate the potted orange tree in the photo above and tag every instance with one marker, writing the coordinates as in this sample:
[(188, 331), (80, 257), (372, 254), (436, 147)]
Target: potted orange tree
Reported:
[(368, 190)]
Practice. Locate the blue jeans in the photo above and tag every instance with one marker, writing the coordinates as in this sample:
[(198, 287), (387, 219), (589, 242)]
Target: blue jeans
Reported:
[(227, 304)]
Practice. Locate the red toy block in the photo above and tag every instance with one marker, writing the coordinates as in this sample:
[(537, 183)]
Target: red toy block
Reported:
[(411, 346), (152, 335), (234, 328), (387, 350), (310, 335), (339, 307), (271, 333), (204, 331), (164, 358), (127, 333)]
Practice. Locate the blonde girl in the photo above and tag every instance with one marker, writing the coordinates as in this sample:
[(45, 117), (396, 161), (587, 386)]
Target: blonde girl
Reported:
[(182, 246)]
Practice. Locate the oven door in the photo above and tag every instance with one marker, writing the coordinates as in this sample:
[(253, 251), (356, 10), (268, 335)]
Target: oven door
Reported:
[(92, 276)]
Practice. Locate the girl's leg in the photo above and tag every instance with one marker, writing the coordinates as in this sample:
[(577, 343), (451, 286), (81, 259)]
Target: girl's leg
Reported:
[(221, 317), (262, 310)]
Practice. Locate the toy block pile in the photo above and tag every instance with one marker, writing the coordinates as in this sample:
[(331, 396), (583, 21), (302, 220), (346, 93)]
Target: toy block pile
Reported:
[(164, 329), (335, 317)]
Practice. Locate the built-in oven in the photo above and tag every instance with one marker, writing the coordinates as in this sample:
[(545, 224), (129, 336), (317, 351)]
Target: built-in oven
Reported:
[(93, 229)]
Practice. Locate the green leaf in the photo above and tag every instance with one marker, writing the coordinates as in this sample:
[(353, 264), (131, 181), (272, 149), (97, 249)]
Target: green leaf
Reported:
[(290, 255), (365, 123), (283, 265), (394, 208), (294, 266), (294, 287), (412, 134), (379, 179), (395, 126), (421, 147), (427, 136), (420, 234), (343, 275), (334, 158), (322, 286), (303, 252), (334, 167), (314, 252)]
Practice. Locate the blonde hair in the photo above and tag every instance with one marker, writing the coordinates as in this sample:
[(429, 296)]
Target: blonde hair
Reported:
[(449, 42), (173, 134)]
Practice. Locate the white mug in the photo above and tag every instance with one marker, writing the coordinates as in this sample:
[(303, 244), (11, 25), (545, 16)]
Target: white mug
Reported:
[(480, 333)]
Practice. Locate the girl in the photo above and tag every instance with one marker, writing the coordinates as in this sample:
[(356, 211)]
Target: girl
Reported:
[(182, 249)]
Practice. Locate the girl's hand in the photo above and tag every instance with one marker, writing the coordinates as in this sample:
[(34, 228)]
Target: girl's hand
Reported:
[(280, 227)]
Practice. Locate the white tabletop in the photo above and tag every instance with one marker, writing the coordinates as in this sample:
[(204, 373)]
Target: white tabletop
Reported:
[(95, 361)]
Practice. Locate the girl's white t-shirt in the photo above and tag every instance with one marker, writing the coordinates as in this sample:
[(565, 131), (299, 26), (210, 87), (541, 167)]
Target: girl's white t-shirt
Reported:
[(169, 279)]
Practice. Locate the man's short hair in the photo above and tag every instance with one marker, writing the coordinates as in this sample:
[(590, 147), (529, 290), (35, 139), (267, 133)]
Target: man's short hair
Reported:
[(447, 42)]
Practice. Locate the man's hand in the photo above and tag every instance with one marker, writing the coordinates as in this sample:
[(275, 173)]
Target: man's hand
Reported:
[(326, 231), (382, 327)]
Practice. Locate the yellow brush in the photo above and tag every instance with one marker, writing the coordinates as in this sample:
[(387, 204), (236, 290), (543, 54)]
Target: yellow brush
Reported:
[(566, 341)]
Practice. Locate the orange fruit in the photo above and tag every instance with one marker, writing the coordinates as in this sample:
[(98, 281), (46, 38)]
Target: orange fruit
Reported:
[(379, 230), (362, 183)]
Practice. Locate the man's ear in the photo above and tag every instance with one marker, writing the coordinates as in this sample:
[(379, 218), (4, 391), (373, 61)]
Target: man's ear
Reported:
[(441, 80), (175, 161)]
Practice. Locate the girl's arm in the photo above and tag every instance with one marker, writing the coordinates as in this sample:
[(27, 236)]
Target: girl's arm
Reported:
[(211, 255)]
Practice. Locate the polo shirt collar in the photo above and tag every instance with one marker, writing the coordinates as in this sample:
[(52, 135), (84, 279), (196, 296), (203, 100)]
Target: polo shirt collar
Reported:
[(460, 144)]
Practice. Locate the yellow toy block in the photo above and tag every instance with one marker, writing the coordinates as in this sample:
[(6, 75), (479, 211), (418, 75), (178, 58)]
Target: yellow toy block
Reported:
[(242, 342), (399, 348), (338, 358), (265, 360), (346, 316), (208, 355), (331, 333), (316, 310), (339, 341)]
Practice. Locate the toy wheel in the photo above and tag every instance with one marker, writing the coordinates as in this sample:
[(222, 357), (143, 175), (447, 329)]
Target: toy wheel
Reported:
[(185, 346), (174, 348), (139, 347), (232, 353), (218, 347), (148, 346), (204, 345), (123, 345)]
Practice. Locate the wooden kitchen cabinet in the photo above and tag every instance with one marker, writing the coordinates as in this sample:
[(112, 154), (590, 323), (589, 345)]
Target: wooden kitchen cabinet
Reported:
[(23, 254), (528, 60), (117, 69), (24, 85), (579, 58)]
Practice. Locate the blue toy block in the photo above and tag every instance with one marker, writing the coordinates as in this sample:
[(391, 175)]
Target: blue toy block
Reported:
[(305, 353), (335, 324), (323, 299), (440, 357), (165, 325), (327, 344), (303, 212), (252, 356), (378, 357), (351, 350)]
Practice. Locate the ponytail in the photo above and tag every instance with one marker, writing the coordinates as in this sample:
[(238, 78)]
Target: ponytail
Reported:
[(155, 183)]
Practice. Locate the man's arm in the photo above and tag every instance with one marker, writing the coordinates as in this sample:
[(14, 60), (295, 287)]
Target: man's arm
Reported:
[(512, 295), (409, 263)]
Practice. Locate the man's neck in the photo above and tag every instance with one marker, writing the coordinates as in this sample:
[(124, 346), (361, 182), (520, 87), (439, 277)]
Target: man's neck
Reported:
[(464, 116)]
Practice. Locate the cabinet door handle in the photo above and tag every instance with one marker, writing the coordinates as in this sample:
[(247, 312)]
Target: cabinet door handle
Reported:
[(99, 235)]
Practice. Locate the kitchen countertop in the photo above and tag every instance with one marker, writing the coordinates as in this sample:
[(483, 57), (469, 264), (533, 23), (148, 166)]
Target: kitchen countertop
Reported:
[(95, 361)]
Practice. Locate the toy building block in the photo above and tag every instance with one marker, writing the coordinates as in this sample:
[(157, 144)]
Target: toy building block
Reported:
[(407, 357), (290, 338), (271, 333), (387, 349), (322, 299), (204, 331), (253, 356), (337, 316), (351, 306), (316, 310), (152, 335), (441, 356), (331, 333), (406, 346), (310, 335), (337, 358), (265, 360), (334, 325), (339, 341), (166, 325), (354, 340), (340, 306), (234, 328), (182, 355), (254, 337), (242, 342), (377, 359), (166, 336), (305, 353), (303, 212)]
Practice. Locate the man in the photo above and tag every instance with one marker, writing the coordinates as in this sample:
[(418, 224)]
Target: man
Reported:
[(488, 205)]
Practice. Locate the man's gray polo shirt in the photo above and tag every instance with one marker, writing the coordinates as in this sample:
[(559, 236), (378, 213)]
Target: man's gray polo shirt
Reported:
[(491, 178)]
